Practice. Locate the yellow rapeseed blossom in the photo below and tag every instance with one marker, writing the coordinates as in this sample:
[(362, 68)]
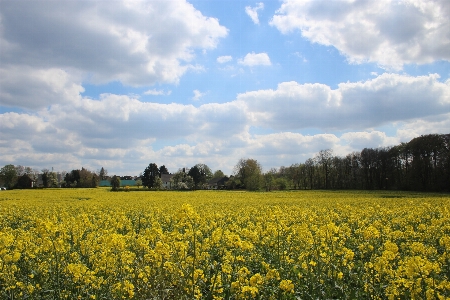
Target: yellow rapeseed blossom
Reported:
[(223, 245)]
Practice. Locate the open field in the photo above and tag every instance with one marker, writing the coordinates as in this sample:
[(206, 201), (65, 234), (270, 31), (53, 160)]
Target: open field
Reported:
[(96, 244)]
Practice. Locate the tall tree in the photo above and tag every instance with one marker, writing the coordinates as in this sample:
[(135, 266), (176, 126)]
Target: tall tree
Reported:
[(115, 183), (149, 176), (163, 170), (324, 158), (9, 175), (249, 172), (196, 175), (49, 178), (310, 172), (102, 174), (269, 179)]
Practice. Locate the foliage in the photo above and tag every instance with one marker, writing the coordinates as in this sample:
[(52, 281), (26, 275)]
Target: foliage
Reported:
[(102, 174), (200, 173), (49, 179), (422, 164), (281, 184), (150, 174), (24, 182), (115, 183), (8, 174), (138, 182), (269, 181), (81, 178), (218, 174), (90, 244), (182, 181), (157, 184), (249, 172), (163, 170)]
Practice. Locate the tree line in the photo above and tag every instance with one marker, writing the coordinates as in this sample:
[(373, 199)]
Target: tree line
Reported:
[(422, 164), (25, 177)]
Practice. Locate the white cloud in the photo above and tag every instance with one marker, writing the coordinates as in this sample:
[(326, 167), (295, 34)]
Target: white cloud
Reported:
[(224, 59), (137, 43), (435, 124), (197, 95), (155, 92), (26, 87), (360, 105), (391, 33), (255, 59), (123, 133), (252, 12), (363, 139)]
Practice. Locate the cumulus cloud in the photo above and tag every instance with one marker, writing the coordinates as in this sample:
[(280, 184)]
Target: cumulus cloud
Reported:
[(100, 132), (224, 59), (255, 59), (391, 33), (137, 43), (252, 12), (26, 87), (358, 105)]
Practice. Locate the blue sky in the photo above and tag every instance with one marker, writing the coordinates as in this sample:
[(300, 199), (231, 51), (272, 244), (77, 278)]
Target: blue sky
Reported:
[(121, 84)]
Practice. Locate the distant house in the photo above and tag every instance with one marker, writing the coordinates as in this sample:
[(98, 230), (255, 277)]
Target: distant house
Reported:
[(166, 183), (217, 183)]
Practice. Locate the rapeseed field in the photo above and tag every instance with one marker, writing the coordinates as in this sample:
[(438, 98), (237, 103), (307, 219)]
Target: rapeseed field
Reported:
[(97, 244)]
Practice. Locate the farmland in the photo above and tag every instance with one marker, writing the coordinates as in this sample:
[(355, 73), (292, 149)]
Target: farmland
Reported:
[(97, 244)]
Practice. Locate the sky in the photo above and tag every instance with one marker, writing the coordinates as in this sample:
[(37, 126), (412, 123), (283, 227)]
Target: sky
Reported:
[(122, 84)]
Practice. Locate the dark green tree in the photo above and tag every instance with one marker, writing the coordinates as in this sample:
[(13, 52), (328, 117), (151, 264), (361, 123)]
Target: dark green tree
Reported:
[(102, 174), (115, 183), (24, 182), (9, 175), (150, 174), (163, 170), (196, 175)]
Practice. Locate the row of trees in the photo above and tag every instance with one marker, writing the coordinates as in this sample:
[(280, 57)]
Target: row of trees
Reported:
[(25, 177), (423, 164), (82, 179)]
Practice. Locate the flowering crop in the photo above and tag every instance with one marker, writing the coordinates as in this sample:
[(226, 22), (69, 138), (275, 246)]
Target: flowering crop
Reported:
[(95, 244)]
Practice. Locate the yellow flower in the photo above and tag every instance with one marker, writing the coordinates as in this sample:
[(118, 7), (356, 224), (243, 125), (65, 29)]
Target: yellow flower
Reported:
[(287, 286)]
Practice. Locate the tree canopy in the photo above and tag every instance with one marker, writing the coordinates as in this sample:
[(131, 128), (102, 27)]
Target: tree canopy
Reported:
[(9, 175), (150, 175), (249, 172)]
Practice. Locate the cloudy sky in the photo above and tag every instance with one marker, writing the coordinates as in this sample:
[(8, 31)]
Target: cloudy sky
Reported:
[(121, 84)]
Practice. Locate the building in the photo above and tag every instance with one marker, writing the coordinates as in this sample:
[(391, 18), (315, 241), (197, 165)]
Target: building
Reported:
[(166, 181)]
